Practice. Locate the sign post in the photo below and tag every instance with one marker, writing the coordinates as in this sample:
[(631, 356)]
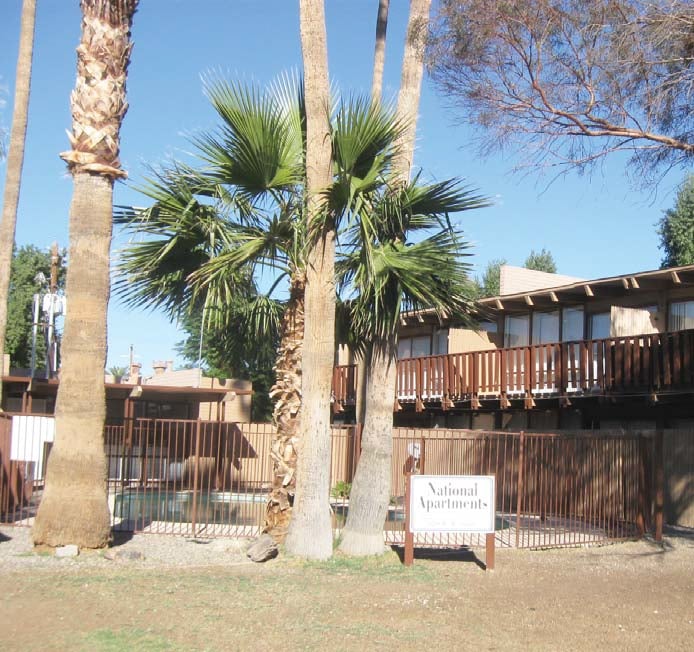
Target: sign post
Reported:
[(409, 537), (448, 504)]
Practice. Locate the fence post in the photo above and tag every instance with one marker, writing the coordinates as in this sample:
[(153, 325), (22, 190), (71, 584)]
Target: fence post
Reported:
[(196, 473), (409, 537), (143, 455), (659, 483), (641, 515), (126, 463), (519, 489)]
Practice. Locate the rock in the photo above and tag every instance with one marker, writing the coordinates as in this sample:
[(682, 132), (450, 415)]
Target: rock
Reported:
[(127, 555), (262, 549), (234, 546), (67, 551)]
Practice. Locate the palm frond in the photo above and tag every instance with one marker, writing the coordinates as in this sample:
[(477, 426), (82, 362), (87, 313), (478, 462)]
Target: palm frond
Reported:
[(430, 275), (169, 240), (257, 148)]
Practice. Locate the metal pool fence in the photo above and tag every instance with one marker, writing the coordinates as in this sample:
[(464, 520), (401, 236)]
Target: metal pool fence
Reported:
[(200, 478), (552, 490), (206, 479)]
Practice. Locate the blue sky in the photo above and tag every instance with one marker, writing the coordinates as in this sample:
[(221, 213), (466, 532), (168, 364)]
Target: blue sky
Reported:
[(594, 226)]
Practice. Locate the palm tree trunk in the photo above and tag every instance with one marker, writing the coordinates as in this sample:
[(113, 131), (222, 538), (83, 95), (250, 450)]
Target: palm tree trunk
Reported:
[(15, 161), (370, 495), (380, 50), (286, 416), (74, 507), (363, 533), (411, 85), (363, 365), (310, 531)]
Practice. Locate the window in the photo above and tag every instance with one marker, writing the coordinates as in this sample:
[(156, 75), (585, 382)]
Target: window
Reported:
[(545, 327), (681, 316), (440, 342), (488, 326), (156, 410), (421, 346), (572, 324), (414, 347), (516, 330), (599, 326)]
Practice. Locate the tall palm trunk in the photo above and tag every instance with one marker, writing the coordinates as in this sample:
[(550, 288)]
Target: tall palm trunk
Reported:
[(15, 161), (380, 50), (376, 93), (287, 395), (411, 86), (310, 532), (363, 532), (74, 507), (370, 495)]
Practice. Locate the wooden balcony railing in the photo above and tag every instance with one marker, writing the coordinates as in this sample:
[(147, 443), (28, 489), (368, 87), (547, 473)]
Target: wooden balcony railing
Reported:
[(657, 362)]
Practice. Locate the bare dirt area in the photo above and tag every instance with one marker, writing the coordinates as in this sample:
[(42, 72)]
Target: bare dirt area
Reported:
[(169, 593)]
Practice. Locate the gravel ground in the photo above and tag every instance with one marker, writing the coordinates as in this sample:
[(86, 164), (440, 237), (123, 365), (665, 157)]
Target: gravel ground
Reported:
[(162, 551), (167, 593), (144, 550)]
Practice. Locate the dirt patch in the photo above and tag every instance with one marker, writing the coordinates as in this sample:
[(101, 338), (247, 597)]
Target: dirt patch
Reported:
[(625, 596)]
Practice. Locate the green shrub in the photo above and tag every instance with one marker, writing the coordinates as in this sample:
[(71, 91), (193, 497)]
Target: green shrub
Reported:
[(341, 489)]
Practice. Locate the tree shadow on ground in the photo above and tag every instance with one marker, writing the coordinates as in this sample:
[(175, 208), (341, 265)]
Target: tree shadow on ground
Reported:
[(674, 537), (442, 554), (120, 538), (679, 532)]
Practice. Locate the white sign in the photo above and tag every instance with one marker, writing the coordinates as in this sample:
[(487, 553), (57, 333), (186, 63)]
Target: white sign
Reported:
[(452, 503)]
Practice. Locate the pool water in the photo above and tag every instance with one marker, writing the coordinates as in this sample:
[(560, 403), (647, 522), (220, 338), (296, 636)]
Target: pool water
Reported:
[(145, 506)]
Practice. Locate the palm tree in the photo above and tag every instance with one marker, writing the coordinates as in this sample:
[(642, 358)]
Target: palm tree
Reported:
[(271, 140), (200, 258), (213, 230), (74, 507), (388, 273), (380, 50), (310, 531), (363, 534), (15, 161)]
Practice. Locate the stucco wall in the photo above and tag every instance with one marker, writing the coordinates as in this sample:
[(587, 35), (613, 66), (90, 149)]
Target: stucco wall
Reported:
[(461, 340), (519, 279)]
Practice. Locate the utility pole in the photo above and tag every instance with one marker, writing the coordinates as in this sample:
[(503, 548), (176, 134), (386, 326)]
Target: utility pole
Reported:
[(51, 304), (54, 308), (55, 265)]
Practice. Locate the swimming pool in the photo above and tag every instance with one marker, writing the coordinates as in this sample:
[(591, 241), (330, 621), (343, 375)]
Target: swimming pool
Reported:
[(142, 506)]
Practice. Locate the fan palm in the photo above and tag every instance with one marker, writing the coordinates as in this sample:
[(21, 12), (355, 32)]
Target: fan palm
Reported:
[(175, 237), (387, 272), (212, 232)]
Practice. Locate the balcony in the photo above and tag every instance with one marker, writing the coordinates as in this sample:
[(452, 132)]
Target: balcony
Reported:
[(633, 365)]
